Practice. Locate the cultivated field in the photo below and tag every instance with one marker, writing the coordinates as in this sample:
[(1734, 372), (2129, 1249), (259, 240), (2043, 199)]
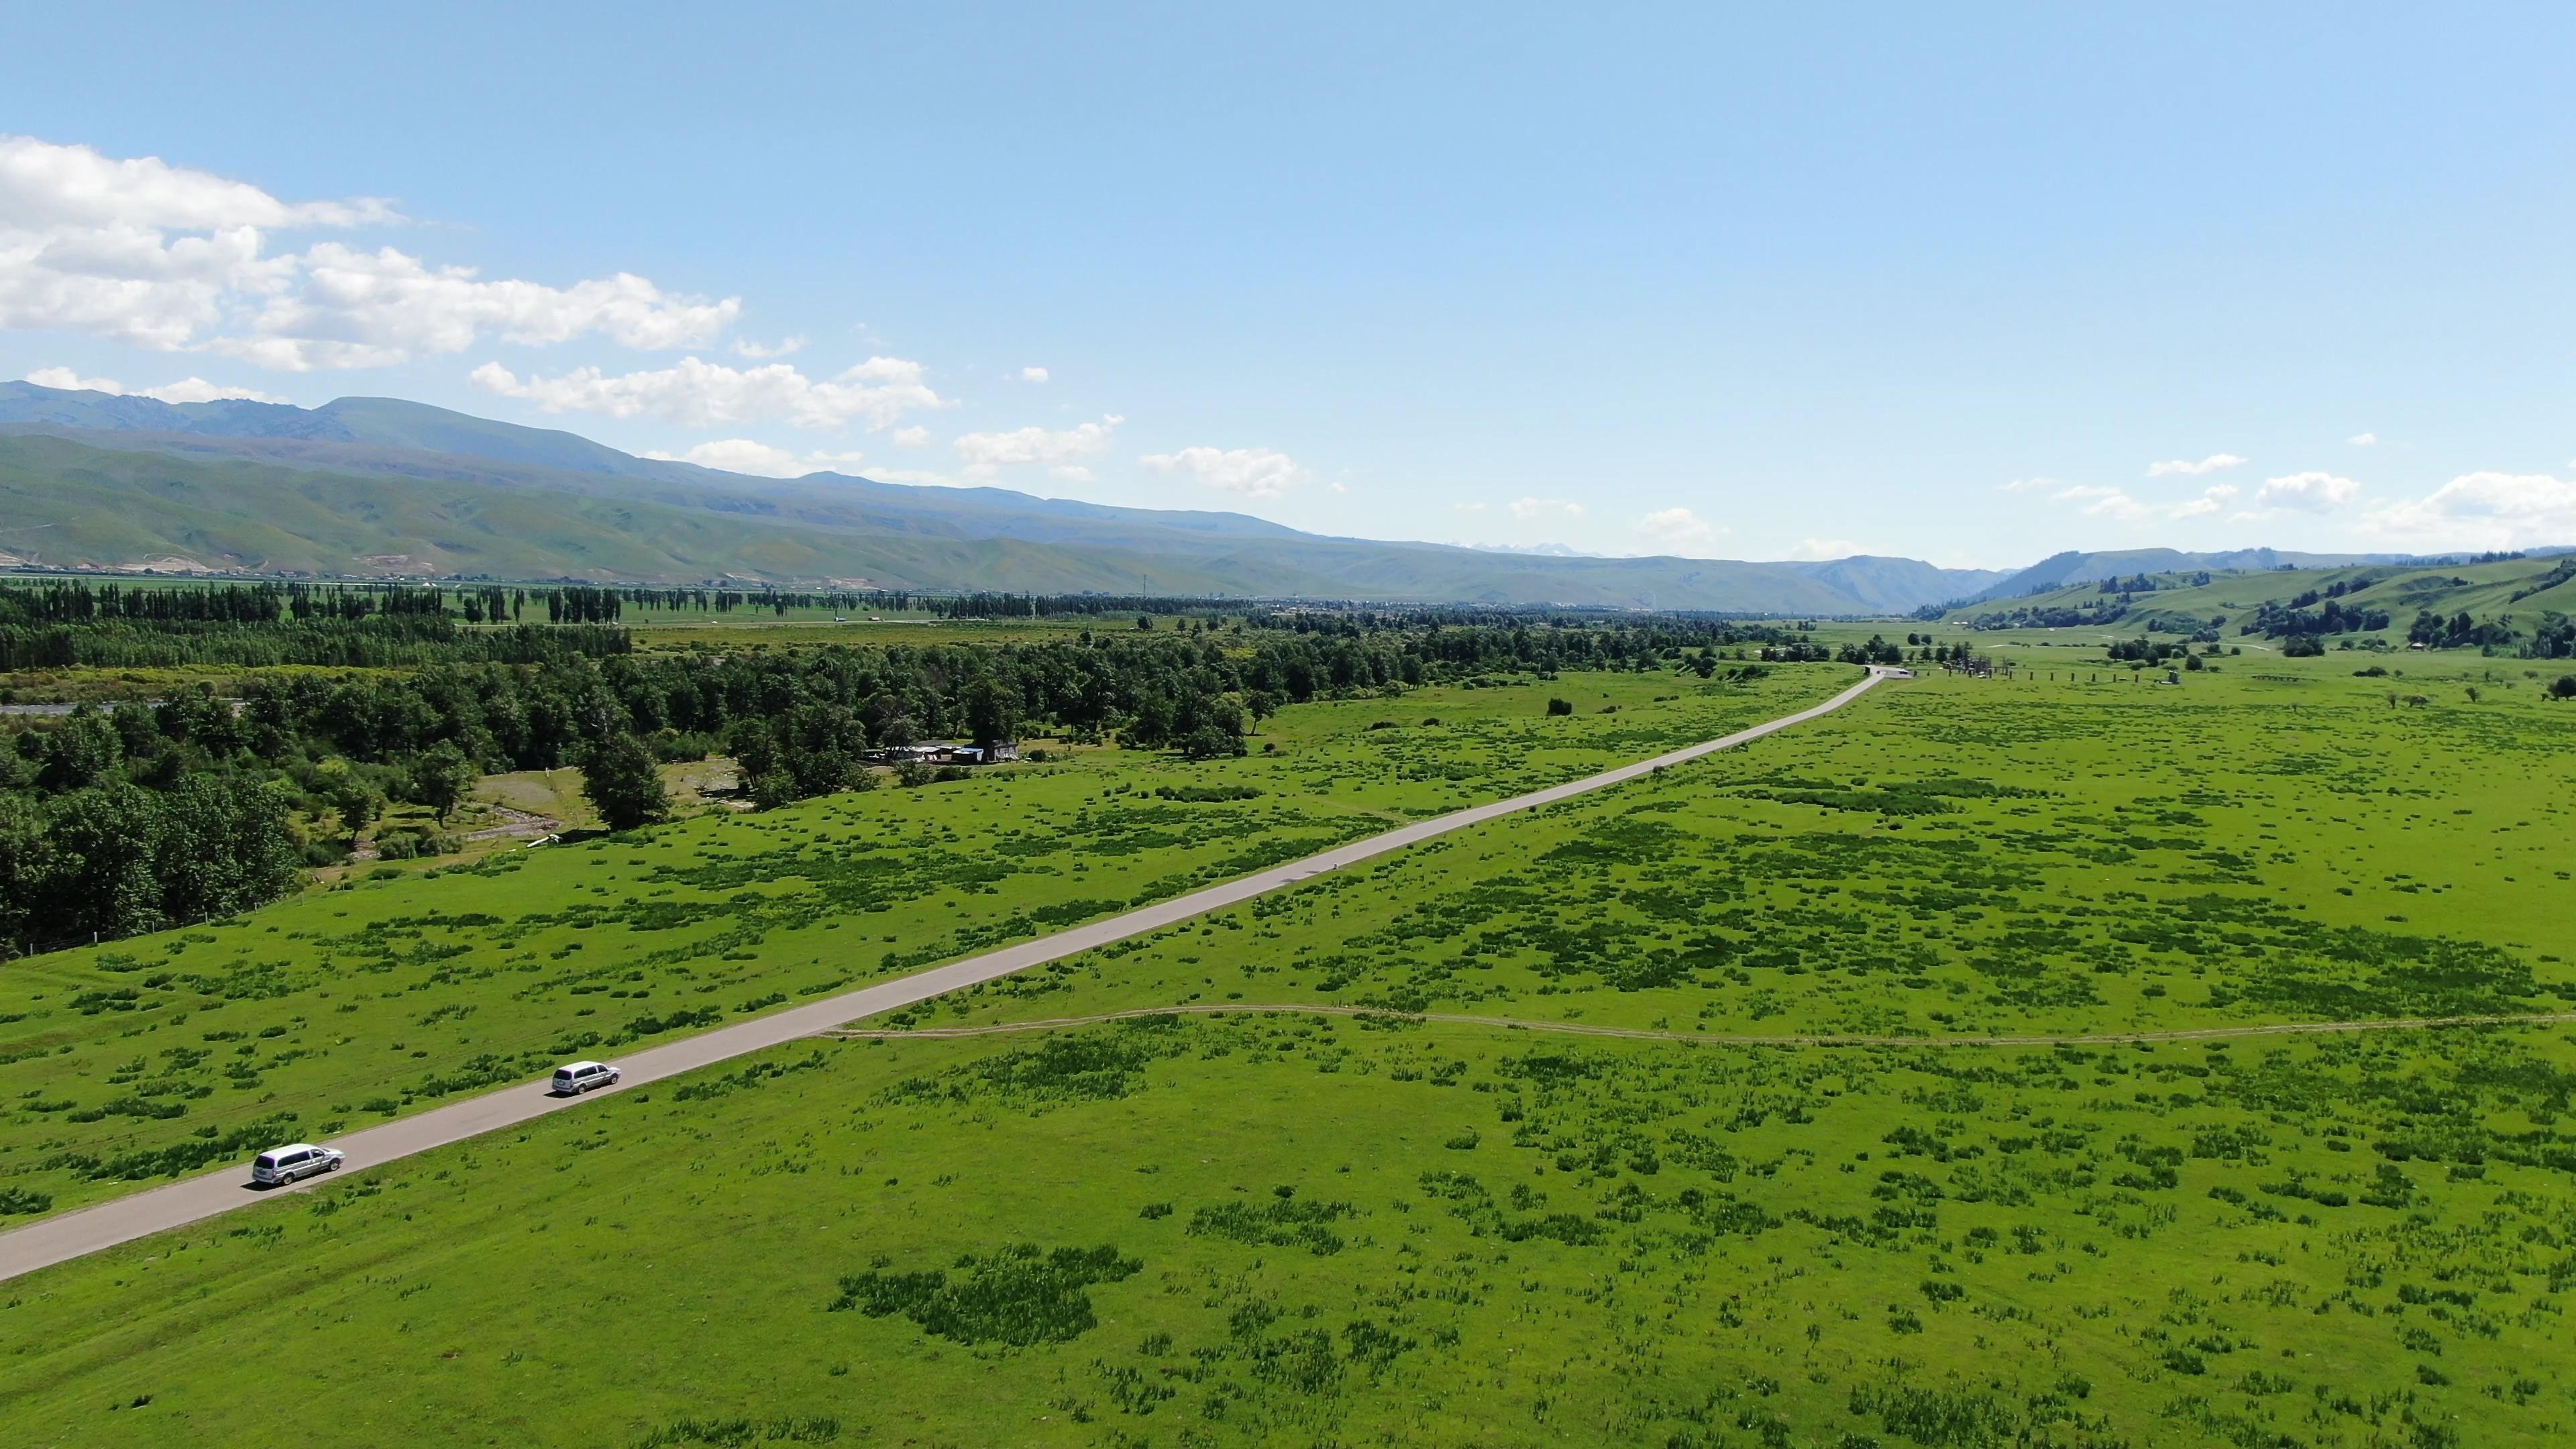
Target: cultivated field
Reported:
[(1295, 1227)]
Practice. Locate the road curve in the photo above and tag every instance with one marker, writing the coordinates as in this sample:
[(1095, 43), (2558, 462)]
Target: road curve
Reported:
[(121, 1220)]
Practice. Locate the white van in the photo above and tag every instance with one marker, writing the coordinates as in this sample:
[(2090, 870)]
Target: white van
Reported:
[(580, 1077), (279, 1166)]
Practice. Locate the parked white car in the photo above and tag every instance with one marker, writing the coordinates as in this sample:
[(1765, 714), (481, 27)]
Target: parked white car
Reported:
[(580, 1077), (279, 1166)]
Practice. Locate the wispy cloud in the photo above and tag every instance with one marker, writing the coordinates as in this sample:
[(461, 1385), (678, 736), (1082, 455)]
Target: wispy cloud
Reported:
[(2117, 503), (1681, 531), (707, 394), (1819, 550), (2185, 468)]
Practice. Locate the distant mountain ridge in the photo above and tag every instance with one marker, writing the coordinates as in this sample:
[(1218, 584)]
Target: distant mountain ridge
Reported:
[(383, 486)]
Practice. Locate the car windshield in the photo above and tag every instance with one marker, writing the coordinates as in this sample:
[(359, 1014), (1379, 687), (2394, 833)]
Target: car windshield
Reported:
[(264, 1160), (564, 1072)]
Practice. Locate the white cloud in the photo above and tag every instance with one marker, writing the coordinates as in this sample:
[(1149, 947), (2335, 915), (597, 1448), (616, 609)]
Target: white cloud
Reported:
[(185, 390), (173, 259), (1252, 472), (70, 381), (2211, 500), (2118, 505), (1680, 531), (1033, 374), (2024, 485), (1822, 549), (744, 455), (1545, 508), (2363, 440), (703, 394), (913, 437), (1070, 473), (2101, 502), (2184, 467), (1467, 507), (42, 184), (986, 452), (2307, 492), (762, 352), (2482, 511)]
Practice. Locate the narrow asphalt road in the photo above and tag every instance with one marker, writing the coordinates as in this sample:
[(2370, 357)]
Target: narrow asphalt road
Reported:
[(190, 1200)]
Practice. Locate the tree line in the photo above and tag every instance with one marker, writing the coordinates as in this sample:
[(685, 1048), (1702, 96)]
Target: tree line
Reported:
[(145, 816)]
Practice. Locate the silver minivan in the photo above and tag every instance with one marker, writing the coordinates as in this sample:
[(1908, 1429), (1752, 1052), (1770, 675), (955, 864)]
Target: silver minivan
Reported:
[(279, 1166), (581, 1077)]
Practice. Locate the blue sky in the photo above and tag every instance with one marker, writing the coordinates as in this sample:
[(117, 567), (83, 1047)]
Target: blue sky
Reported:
[(1627, 279)]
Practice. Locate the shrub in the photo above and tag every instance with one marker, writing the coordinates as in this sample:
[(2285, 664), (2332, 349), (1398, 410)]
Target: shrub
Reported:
[(1015, 1295)]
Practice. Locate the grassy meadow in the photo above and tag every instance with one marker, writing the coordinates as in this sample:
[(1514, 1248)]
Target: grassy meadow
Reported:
[(124, 1064), (1296, 1228)]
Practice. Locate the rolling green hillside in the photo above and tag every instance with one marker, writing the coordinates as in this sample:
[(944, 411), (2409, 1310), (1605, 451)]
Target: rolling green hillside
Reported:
[(2516, 597), (2079, 567)]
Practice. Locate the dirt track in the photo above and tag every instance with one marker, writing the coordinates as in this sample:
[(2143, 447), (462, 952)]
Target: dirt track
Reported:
[(1711, 1038)]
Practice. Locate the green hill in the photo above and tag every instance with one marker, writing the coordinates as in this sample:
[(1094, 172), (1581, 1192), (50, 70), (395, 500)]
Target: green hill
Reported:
[(2509, 604)]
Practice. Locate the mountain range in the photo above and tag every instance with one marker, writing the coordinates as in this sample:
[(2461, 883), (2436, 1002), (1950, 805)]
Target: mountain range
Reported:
[(382, 487)]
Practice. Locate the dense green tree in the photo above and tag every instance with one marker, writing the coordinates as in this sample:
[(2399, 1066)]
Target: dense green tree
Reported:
[(991, 714), (357, 802), (441, 777), (221, 847), (101, 879), (622, 783), (78, 754), (26, 867)]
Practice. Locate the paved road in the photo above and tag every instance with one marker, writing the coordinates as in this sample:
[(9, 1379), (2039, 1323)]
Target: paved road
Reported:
[(56, 1240)]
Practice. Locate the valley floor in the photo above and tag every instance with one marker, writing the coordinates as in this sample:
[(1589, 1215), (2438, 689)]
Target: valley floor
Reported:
[(1215, 1228)]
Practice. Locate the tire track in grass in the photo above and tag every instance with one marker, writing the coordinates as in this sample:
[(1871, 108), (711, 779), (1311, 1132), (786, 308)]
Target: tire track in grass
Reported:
[(1711, 1038)]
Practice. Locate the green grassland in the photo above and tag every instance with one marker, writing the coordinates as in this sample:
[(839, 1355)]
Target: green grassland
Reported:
[(124, 1064), (1291, 1227)]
